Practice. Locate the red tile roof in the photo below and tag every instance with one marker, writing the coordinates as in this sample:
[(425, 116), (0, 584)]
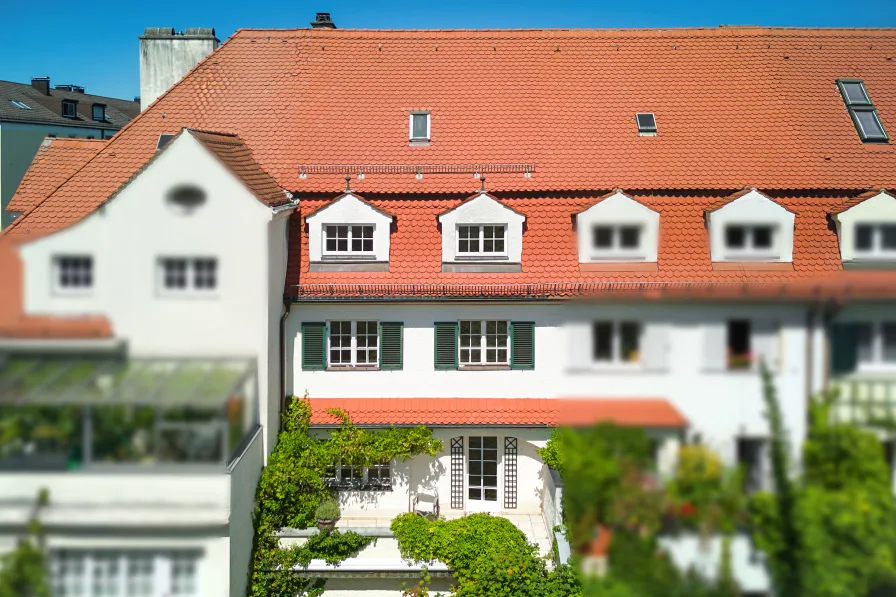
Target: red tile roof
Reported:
[(234, 154), (55, 161), (735, 107), (536, 412)]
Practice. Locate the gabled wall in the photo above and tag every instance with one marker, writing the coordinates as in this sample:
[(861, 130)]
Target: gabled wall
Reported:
[(752, 208), (878, 209)]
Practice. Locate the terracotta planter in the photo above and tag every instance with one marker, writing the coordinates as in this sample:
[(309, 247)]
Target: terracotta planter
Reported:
[(326, 524)]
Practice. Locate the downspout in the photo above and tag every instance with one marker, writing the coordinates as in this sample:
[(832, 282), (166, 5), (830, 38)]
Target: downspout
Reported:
[(811, 316), (287, 304)]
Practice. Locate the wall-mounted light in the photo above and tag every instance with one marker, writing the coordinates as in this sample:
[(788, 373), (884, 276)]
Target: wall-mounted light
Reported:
[(419, 175), (476, 175), (303, 175), (361, 174), (527, 174)]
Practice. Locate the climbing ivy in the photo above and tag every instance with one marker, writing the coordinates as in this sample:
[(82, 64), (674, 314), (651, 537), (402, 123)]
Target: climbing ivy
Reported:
[(23, 571), (292, 486), (489, 556)]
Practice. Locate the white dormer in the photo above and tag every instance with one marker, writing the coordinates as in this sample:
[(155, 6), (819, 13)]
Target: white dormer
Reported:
[(618, 229), (751, 228), (867, 230), (349, 233), (482, 234)]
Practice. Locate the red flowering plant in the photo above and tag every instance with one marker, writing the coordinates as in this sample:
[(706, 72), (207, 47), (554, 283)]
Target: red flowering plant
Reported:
[(743, 360)]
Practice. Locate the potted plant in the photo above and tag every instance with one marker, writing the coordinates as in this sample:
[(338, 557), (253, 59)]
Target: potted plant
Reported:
[(327, 514)]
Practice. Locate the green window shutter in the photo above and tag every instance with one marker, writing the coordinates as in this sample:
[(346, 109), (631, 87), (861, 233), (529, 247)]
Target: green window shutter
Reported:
[(844, 348), (446, 345), (314, 345), (391, 344), (522, 345)]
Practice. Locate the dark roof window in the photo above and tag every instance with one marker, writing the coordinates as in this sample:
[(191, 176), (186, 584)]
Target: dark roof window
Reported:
[(862, 111), (99, 112), (163, 141), (69, 108), (646, 123), (20, 105)]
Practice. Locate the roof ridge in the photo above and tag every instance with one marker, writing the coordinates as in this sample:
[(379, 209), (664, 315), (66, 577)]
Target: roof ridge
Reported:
[(752, 28)]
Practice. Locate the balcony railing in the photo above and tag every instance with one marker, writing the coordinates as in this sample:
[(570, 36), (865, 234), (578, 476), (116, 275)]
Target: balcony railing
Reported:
[(66, 414), (865, 399)]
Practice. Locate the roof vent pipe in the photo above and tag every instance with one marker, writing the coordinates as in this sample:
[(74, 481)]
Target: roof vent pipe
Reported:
[(322, 21)]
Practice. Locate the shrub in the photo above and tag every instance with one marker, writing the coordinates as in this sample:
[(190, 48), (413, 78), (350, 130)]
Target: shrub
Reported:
[(328, 509)]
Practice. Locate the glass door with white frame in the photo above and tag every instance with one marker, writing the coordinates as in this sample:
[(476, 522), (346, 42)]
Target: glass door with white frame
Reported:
[(482, 474)]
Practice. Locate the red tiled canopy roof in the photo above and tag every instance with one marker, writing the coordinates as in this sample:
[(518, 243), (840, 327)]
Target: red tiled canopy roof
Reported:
[(735, 107), (535, 412)]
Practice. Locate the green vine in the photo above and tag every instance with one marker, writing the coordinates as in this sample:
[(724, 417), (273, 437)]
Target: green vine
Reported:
[(23, 571), (292, 486)]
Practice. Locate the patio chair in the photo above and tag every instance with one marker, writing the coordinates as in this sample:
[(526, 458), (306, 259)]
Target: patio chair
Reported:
[(426, 502)]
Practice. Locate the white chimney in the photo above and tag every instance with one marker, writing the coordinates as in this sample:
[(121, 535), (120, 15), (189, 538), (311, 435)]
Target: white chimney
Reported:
[(166, 56)]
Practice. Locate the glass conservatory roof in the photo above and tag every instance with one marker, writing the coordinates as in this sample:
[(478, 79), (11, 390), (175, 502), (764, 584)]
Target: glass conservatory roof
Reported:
[(57, 380)]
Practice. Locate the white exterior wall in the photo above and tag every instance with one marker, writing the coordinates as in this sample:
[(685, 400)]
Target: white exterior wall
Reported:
[(752, 208), (719, 404), (348, 209), (618, 209), (128, 235), (878, 209), (243, 483)]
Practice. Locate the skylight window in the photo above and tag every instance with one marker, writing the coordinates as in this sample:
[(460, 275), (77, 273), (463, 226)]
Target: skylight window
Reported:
[(862, 111), (646, 124), (420, 126), (20, 105)]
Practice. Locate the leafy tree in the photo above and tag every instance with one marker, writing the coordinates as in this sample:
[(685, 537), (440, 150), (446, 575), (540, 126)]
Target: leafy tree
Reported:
[(23, 571)]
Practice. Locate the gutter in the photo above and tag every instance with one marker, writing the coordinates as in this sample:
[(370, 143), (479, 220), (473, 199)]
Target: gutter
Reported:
[(283, 364)]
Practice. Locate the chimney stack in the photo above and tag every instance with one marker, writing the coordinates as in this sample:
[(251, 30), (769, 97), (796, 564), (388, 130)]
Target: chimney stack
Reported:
[(166, 56), (42, 84), (323, 21)]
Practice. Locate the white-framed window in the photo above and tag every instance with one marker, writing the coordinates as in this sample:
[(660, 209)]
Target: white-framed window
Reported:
[(73, 273), (348, 240), (179, 275), (348, 475), (877, 344), (420, 126), (353, 344), (617, 241), (875, 241), (616, 342), (750, 241), (69, 109), (124, 573), (484, 342), (98, 112), (481, 240)]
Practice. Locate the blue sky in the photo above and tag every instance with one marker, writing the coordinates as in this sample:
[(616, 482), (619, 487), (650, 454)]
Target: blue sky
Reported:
[(95, 45)]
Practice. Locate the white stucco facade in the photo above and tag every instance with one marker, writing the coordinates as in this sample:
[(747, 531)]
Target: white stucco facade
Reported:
[(618, 210), (482, 209), (880, 209), (349, 210)]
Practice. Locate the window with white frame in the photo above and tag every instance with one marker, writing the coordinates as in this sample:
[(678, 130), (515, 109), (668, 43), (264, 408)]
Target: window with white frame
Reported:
[(877, 343), (483, 342), (875, 241), (354, 344), (616, 342), (123, 573), (188, 274), (348, 475), (750, 241), (420, 126), (344, 240), (73, 273), (621, 241), (481, 240)]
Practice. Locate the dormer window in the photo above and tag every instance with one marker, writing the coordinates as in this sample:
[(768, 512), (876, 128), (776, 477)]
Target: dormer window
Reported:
[(420, 127), (481, 241), (875, 241), (861, 109), (99, 112), (348, 240), (749, 241), (621, 241), (69, 109)]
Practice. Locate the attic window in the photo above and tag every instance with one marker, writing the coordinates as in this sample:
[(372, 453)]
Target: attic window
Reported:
[(862, 111), (20, 105), (646, 124), (420, 126), (749, 241), (69, 109), (186, 198), (99, 112), (163, 141)]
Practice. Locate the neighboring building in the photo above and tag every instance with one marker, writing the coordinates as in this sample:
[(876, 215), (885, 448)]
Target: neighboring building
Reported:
[(166, 56), (31, 113), (526, 229)]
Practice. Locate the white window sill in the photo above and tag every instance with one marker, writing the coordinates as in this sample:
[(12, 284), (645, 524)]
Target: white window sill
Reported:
[(350, 257), (485, 367), (751, 257), (876, 368), (484, 257), (73, 292), (353, 368), (609, 368), (187, 294), (616, 257)]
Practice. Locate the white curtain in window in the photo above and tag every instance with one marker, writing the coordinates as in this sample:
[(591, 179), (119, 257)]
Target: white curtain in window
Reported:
[(579, 353), (655, 346)]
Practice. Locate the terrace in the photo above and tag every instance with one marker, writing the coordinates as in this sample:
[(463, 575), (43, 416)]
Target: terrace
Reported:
[(69, 414)]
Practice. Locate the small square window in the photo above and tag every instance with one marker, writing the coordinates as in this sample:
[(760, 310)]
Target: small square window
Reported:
[(181, 275), (348, 240), (603, 237), (864, 233), (615, 241), (646, 123), (756, 241), (74, 273), (875, 241), (98, 112), (616, 342), (762, 237), (483, 342), (69, 109), (420, 126), (735, 237), (629, 237), (481, 241)]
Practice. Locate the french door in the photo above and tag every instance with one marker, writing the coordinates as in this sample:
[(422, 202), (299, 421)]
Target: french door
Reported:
[(482, 474)]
